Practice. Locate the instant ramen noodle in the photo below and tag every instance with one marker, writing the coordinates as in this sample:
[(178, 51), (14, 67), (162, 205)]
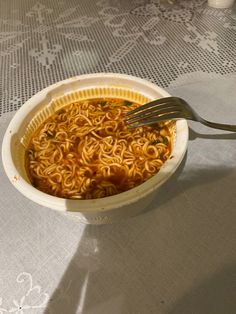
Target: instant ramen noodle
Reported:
[(85, 151)]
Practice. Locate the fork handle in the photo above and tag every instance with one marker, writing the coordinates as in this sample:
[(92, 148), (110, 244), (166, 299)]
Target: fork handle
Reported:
[(221, 126)]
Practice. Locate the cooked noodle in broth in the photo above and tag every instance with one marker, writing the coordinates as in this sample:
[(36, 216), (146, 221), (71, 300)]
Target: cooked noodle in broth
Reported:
[(85, 151)]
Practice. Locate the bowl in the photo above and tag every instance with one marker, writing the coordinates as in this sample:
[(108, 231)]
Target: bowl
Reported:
[(44, 103)]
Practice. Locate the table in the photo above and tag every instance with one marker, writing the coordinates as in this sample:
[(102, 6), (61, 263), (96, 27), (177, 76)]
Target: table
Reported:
[(179, 257)]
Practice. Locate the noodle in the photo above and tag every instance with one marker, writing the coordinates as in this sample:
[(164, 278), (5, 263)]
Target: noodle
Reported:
[(85, 151)]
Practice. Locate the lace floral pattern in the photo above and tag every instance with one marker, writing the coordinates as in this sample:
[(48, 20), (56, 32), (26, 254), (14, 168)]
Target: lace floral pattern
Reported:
[(42, 42), (32, 297)]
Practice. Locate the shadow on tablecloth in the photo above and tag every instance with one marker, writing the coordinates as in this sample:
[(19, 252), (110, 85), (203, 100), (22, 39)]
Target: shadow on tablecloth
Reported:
[(138, 265), (97, 286), (216, 295)]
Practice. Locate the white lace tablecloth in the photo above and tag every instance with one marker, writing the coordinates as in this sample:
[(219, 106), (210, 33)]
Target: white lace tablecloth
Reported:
[(180, 256)]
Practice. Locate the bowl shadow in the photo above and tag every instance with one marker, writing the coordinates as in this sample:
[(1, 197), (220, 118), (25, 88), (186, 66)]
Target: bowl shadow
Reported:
[(106, 262), (215, 295)]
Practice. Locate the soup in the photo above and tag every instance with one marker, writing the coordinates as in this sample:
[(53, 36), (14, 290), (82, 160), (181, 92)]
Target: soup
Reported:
[(85, 151)]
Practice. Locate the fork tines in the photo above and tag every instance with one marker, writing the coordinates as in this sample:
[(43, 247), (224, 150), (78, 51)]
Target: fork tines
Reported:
[(158, 110)]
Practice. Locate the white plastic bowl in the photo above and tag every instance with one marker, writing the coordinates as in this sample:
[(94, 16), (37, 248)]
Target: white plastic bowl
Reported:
[(26, 119)]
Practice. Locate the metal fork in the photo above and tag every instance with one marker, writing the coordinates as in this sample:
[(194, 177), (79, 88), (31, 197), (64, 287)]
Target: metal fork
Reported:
[(168, 108)]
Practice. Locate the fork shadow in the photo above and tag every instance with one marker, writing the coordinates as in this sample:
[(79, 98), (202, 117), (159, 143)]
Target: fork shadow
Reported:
[(184, 180), (93, 283), (219, 136)]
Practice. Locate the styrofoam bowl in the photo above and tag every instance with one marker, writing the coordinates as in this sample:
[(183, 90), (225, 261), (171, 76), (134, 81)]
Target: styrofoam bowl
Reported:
[(44, 103), (220, 4)]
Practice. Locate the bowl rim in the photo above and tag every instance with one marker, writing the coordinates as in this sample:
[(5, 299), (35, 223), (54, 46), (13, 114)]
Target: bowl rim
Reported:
[(92, 205)]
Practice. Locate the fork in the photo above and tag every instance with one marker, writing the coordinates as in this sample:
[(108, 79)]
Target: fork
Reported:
[(168, 108)]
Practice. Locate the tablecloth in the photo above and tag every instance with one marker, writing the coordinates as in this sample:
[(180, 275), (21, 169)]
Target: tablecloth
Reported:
[(179, 256)]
